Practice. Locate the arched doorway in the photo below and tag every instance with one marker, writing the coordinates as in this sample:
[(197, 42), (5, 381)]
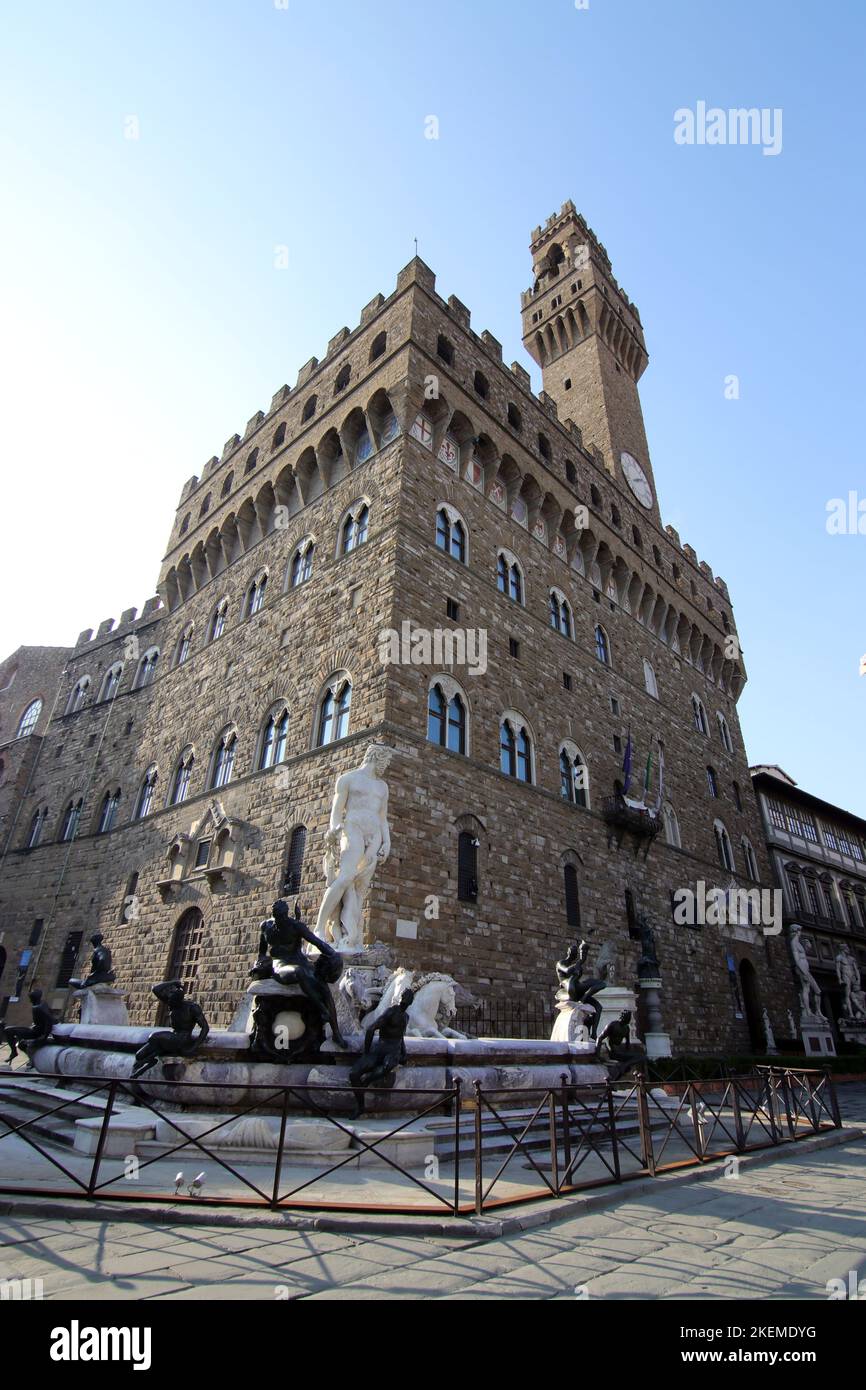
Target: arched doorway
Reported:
[(754, 1019), (183, 960)]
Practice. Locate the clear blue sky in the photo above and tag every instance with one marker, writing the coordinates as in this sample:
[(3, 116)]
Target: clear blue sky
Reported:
[(145, 320)]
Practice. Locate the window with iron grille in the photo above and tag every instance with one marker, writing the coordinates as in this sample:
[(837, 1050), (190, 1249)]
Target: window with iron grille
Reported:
[(185, 954), (71, 947), (467, 867), (572, 896), (295, 860)]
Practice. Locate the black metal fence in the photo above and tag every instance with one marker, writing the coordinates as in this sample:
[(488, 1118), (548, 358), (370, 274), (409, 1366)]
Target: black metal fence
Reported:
[(506, 1018), (492, 1148)]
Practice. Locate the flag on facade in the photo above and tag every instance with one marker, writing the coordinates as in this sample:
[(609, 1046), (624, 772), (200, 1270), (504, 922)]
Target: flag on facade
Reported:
[(626, 765), (647, 779), (661, 790)]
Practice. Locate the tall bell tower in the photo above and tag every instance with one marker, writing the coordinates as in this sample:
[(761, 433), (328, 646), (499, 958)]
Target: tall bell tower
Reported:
[(586, 336)]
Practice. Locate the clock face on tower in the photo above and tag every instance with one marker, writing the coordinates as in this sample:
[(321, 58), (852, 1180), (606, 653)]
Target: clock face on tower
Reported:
[(636, 479)]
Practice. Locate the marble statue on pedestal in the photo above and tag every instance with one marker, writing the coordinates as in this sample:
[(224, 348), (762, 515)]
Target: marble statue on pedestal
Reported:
[(101, 972), (433, 1003), (848, 975), (379, 1062), (769, 1036), (180, 1040), (810, 990), (357, 842), (40, 1031)]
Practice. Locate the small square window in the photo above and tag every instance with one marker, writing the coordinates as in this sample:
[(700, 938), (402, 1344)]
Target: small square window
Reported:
[(514, 646), (614, 705), (567, 383), (452, 609), (596, 595), (202, 854), (566, 679), (617, 743), (355, 597)]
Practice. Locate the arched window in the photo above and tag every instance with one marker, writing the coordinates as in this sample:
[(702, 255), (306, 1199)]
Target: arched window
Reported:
[(725, 733), (29, 719), (78, 695), (363, 447), (572, 896), (279, 436), (334, 710), (184, 646), (467, 867), (509, 578), (354, 529), (445, 349), (184, 525), (446, 719), (309, 409), (71, 817), (252, 460), (274, 736), (738, 800), (146, 793), (451, 534), (218, 620), (227, 484), (182, 775), (204, 508), (295, 861), (223, 759), (186, 949), (595, 496), (649, 679), (481, 385), (559, 611), (378, 345), (602, 646), (342, 378), (37, 825), (108, 811), (514, 418), (111, 681), (146, 669), (712, 782), (129, 905), (671, 826), (573, 775), (723, 847), (515, 749), (422, 430), (544, 447), (749, 858), (699, 715), (389, 429), (302, 563), (256, 594)]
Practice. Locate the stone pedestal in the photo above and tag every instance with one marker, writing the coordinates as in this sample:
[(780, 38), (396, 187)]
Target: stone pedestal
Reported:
[(853, 1030), (658, 1043), (817, 1036), (613, 1000), (570, 1025), (103, 1004)]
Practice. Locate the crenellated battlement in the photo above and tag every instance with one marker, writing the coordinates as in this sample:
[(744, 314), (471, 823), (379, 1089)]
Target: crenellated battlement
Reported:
[(130, 620)]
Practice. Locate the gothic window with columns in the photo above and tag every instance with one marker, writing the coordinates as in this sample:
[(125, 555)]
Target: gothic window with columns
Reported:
[(78, 695), (147, 791), (182, 777), (146, 669), (559, 610), (573, 775), (274, 736), (451, 533), (108, 811), (223, 760), (71, 818), (218, 620), (515, 748), (723, 847), (509, 577), (334, 710), (699, 715), (256, 594), (353, 532), (446, 715)]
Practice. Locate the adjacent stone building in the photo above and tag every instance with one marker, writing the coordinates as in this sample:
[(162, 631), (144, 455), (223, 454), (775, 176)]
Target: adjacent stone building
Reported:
[(818, 856), (411, 546)]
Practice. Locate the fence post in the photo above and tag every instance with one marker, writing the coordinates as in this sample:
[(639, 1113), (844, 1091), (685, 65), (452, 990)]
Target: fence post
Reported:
[(738, 1114), (566, 1126), (554, 1148), (479, 1189), (696, 1123), (646, 1138), (786, 1092), (457, 1146), (834, 1100), (614, 1145), (103, 1136), (278, 1166)]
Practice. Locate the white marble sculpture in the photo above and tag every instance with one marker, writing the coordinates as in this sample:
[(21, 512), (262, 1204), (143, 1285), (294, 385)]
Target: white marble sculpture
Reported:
[(769, 1036), (792, 1027), (357, 842), (848, 975), (433, 1005), (810, 990)]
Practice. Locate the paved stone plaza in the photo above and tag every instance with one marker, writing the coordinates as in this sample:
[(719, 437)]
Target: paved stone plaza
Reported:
[(780, 1230)]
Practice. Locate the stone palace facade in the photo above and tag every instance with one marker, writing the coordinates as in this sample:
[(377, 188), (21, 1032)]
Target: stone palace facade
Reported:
[(409, 546)]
